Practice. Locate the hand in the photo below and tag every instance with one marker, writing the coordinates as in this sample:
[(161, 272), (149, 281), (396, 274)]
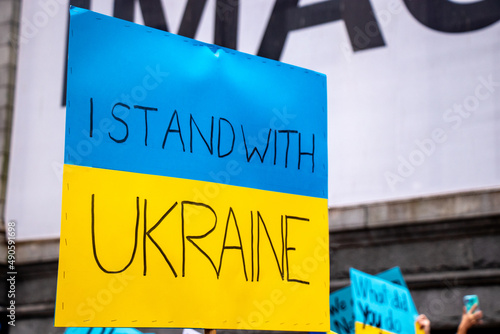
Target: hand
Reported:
[(424, 323), (470, 319)]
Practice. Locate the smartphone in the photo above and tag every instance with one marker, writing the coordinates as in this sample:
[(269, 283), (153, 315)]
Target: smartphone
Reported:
[(470, 300)]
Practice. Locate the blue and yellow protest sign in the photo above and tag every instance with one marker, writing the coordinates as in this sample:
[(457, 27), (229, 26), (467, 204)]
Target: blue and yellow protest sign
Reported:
[(194, 185), (341, 302), (381, 306)]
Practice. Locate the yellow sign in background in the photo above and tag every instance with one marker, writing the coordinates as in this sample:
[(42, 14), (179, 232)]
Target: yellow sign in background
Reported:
[(154, 251)]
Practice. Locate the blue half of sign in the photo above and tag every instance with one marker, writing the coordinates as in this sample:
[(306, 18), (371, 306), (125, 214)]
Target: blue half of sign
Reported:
[(148, 101)]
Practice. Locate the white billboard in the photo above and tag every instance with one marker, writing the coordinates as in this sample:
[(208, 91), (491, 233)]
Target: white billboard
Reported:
[(413, 90)]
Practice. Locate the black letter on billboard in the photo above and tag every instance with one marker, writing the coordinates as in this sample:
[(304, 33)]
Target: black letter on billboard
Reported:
[(152, 12), (287, 16), (226, 23), (446, 16)]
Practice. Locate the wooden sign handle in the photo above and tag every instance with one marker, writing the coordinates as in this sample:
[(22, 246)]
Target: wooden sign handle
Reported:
[(209, 331)]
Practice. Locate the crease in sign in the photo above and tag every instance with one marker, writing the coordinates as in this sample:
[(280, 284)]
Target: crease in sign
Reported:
[(76, 10)]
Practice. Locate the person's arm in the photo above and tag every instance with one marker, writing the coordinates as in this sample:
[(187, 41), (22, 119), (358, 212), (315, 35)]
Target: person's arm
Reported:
[(424, 323), (469, 319)]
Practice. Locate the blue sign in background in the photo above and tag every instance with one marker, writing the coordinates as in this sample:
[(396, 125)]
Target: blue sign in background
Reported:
[(341, 311), (156, 103), (341, 302), (382, 304)]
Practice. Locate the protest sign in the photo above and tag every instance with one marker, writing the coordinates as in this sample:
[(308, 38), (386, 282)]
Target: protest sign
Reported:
[(192, 173), (381, 306), (394, 275), (341, 311), (341, 304)]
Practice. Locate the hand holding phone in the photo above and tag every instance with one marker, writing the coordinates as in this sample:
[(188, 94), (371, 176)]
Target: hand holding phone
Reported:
[(471, 300), (471, 315)]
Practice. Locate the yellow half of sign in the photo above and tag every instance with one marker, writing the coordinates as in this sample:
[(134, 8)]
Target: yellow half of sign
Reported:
[(359, 328), (142, 250)]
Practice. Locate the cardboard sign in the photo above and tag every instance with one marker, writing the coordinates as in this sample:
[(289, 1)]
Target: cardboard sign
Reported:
[(394, 275), (194, 186), (341, 311), (380, 306), (341, 303)]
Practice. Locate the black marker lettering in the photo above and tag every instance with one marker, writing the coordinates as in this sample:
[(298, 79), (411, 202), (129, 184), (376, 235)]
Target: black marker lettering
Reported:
[(191, 237), (219, 138), (260, 221), (306, 153), (121, 121), (275, 145), (251, 241), (209, 146), (343, 326), (287, 143), (144, 237), (255, 150), (240, 247), (188, 208), (287, 249), (174, 115), (91, 118), (92, 213), (370, 317), (148, 234), (362, 287), (146, 121)]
